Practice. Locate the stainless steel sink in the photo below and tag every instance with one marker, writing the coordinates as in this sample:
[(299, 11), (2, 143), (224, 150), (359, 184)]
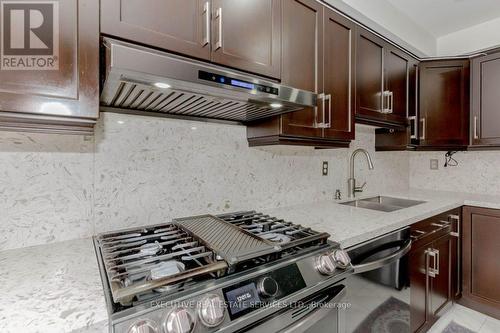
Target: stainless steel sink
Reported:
[(383, 204)]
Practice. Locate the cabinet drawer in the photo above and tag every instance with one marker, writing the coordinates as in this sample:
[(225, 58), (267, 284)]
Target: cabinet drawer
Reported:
[(434, 227)]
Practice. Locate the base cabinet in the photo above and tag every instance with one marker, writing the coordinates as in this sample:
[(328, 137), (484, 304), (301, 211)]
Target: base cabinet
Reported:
[(481, 273), (433, 272)]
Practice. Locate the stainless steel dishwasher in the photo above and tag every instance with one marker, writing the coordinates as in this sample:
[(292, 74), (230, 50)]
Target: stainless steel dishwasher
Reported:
[(379, 291)]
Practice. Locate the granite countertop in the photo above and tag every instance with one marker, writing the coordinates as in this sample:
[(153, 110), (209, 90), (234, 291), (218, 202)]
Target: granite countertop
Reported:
[(52, 288), (351, 225), (57, 287)]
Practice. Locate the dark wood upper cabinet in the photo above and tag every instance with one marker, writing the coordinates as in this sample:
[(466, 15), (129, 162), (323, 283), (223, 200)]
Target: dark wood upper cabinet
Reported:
[(318, 55), (481, 271), (246, 34), (396, 80), (338, 76), (181, 26), (381, 82), (302, 48), (485, 120), (444, 104), (369, 74), (63, 98)]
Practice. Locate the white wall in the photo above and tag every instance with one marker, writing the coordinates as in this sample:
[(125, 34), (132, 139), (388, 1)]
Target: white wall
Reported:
[(394, 23), (478, 37), (142, 170)]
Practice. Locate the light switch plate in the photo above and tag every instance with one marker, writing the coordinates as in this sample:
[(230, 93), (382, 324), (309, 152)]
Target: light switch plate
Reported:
[(434, 164), (325, 168)]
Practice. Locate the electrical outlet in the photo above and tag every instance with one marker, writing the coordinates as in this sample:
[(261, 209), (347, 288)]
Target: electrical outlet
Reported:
[(325, 168), (434, 164)]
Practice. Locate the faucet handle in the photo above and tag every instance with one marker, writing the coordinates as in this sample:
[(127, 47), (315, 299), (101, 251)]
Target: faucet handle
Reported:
[(360, 188)]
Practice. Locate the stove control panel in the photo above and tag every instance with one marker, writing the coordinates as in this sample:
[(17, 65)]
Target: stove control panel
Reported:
[(254, 293)]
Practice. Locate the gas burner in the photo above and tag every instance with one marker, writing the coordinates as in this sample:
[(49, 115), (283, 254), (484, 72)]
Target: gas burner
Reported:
[(287, 234), (206, 260)]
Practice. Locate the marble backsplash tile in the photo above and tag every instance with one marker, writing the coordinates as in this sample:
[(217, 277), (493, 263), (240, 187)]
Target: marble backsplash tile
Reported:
[(150, 170), (45, 188), (143, 170), (477, 172)]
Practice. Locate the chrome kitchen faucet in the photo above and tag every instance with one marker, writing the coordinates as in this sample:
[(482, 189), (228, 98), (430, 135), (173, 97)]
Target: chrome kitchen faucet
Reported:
[(351, 182)]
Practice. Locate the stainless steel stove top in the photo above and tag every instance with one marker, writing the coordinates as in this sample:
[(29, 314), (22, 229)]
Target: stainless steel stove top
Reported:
[(143, 266)]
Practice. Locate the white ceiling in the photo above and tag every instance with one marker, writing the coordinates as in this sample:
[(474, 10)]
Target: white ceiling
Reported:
[(441, 17)]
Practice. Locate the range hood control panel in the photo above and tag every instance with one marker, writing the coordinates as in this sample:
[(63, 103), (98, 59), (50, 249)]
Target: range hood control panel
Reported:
[(229, 81)]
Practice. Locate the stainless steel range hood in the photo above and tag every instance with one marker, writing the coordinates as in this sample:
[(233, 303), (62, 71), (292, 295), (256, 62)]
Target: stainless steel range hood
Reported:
[(139, 78)]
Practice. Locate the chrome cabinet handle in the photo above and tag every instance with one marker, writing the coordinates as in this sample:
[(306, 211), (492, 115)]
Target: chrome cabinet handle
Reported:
[(413, 135), (316, 123), (386, 107), (456, 218), (328, 124), (434, 254), (476, 136), (423, 129), (428, 254), (437, 261), (391, 99), (206, 12), (218, 15)]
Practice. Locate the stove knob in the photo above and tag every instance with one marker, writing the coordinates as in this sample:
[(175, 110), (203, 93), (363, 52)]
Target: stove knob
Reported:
[(144, 326), (342, 258), (325, 264), (267, 287), (179, 320), (211, 310)]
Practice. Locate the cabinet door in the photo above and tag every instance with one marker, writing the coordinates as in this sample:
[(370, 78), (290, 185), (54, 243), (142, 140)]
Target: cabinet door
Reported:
[(181, 26), (246, 35), (57, 97), (440, 293), (369, 74), (481, 271), (485, 127), (413, 103), (339, 58), (419, 282), (396, 67), (444, 103), (302, 61)]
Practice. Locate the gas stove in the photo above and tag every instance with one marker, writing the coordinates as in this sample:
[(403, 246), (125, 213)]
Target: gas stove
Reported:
[(213, 273)]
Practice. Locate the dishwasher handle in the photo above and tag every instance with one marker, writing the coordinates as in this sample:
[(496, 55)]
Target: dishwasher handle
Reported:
[(376, 264)]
